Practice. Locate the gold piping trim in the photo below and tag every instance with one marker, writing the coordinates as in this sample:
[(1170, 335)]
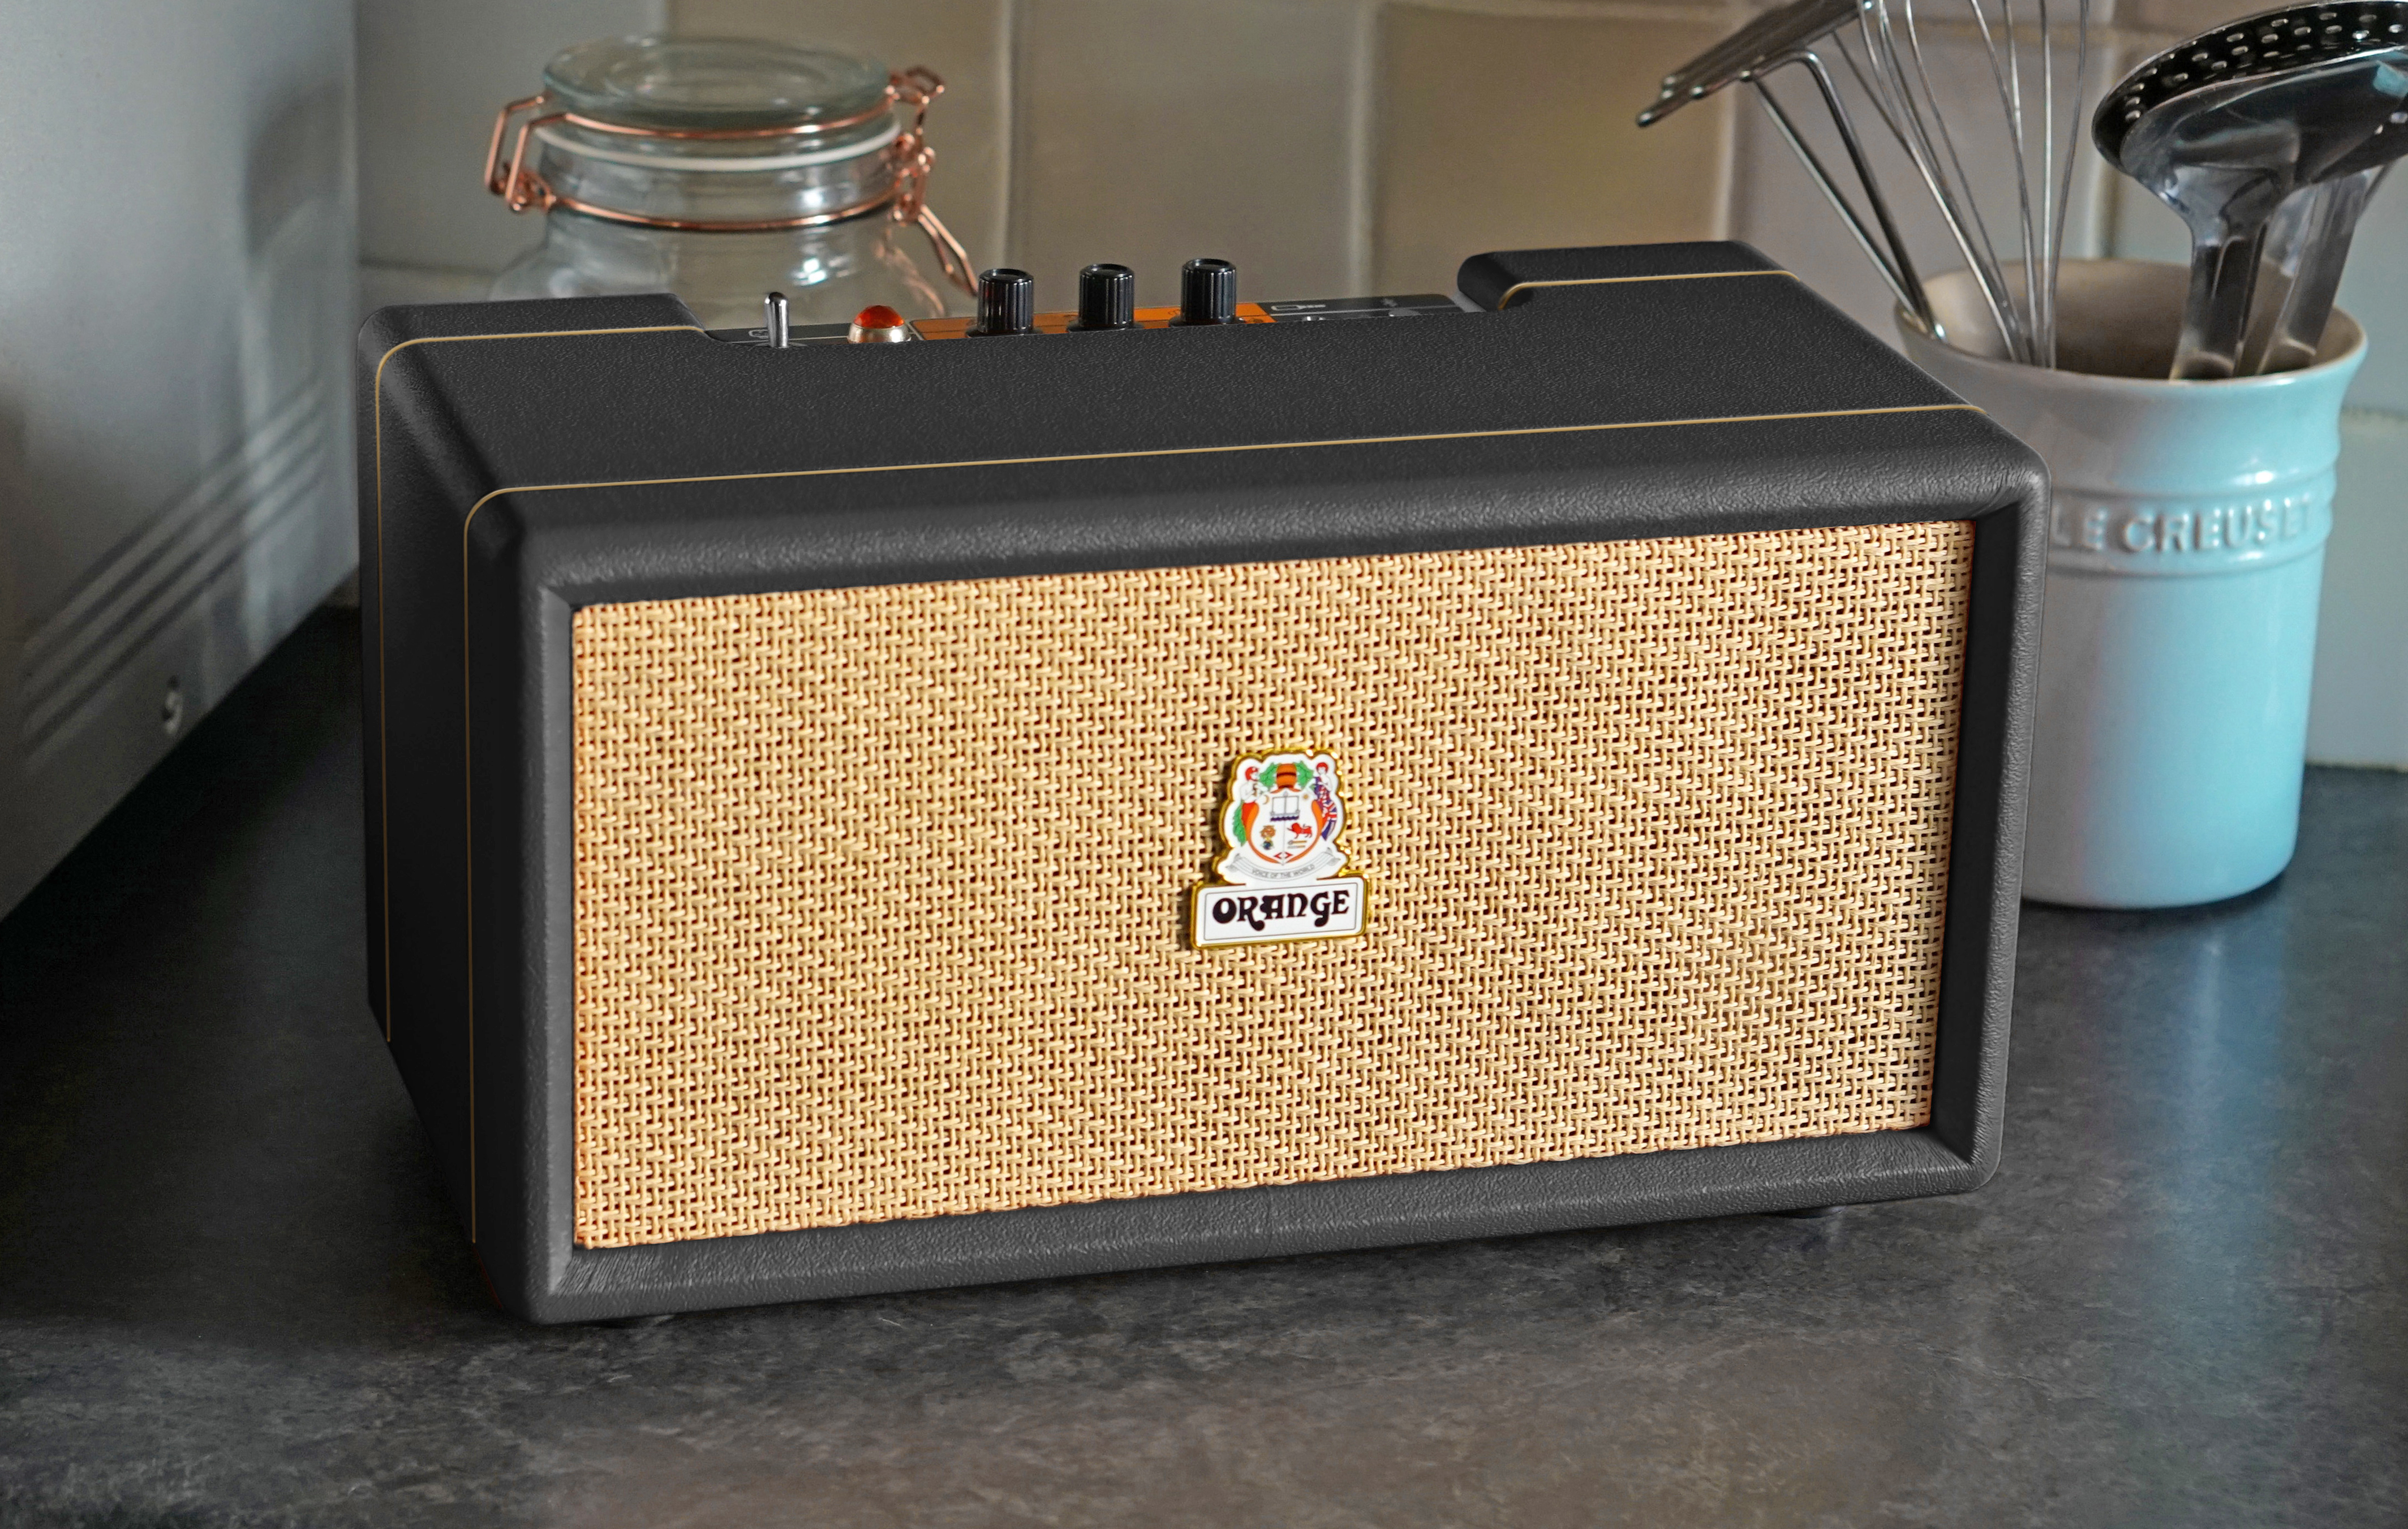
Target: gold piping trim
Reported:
[(376, 409), (384, 771), (1617, 280), (1201, 450)]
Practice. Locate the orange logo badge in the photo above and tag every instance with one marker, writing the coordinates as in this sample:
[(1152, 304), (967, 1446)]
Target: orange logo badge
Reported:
[(1279, 879)]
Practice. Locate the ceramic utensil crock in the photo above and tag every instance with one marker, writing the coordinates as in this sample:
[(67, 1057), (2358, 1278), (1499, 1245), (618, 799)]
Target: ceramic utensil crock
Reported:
[(2186, 552)]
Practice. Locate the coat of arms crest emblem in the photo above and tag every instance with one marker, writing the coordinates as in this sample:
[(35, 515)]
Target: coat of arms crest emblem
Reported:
[(1280, 824)]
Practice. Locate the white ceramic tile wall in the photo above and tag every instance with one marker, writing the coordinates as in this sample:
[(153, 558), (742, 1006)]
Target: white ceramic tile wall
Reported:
[(1150, 131), (1329, 145), (968, 45), (1778, 208), (432, 73), (1507, 131), (2359, 714)]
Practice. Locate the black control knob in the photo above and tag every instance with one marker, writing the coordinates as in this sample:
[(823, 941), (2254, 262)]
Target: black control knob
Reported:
[(1107, 297), (1208, 291), (1006, 302)]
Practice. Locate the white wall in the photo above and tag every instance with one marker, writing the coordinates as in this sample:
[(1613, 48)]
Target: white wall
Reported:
[(176, 313)]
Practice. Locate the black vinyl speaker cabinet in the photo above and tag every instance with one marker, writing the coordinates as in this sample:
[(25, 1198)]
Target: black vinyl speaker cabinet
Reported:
[(851, 817)]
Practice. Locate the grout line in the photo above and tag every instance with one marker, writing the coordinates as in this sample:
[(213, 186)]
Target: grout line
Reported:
[(411, 267), (1362, 148), (1604, 10), (2105, 206), (1723, 214), (2116, 53), (1418, 438), (1013, 150), (1731, 16)]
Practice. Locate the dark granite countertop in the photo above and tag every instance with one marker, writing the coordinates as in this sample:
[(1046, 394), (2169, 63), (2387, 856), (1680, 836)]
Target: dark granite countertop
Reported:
[(229, 1293)]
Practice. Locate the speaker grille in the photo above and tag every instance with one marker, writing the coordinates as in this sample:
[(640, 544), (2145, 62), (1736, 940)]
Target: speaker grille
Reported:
[(881, 891)]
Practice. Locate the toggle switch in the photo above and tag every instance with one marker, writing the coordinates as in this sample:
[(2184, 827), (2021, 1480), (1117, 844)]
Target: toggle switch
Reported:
[(1006, 302), (1107, 297), (1208, 291)]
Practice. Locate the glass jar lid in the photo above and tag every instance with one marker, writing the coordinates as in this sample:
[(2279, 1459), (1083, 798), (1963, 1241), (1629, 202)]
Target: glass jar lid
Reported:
[(723, 136), (722, 85)]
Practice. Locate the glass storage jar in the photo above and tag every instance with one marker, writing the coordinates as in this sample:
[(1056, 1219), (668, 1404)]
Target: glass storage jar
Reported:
[(721, 170)]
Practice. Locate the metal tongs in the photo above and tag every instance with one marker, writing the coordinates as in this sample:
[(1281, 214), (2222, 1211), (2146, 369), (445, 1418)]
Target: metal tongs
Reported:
[(1774, 41)]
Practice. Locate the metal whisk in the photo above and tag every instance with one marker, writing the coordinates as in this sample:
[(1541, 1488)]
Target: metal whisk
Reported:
[(2028, 99)]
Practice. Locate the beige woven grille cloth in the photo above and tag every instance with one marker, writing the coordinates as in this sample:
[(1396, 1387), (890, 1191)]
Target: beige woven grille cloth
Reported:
[(881, 891)]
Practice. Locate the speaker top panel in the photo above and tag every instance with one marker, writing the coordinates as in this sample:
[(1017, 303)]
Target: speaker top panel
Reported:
[(631, 392)]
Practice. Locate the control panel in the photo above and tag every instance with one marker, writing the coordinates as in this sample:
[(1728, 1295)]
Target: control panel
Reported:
[(1007, 309)]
